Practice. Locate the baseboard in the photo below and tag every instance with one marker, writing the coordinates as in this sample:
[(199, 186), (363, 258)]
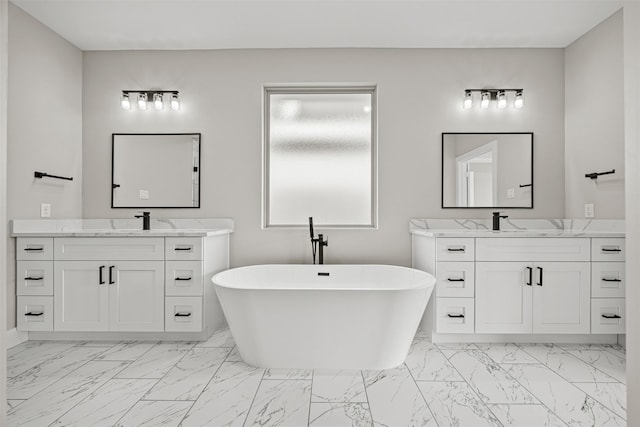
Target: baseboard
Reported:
[(527, 338), (13, 337)]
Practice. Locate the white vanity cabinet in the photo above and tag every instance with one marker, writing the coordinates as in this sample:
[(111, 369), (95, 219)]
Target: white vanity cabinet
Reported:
[(522, 285), (138, 284), (532, 285), (109, 284)]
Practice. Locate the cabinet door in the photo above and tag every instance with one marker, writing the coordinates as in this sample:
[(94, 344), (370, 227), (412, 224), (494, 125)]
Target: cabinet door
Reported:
[(136, 296), (503, 297), (562, 297), (80, 296)]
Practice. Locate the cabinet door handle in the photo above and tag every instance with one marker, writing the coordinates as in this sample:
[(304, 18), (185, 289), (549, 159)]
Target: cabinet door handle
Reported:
[(182, 249), (111, 267), (182, 314), (539, 276), (529, 283), (34, 278), (455, 316), (604, 279), (611, 316), (101, 271), (36, 314), (455, 249), (182, 278), (41, 249), (455, 280), (611, 250)]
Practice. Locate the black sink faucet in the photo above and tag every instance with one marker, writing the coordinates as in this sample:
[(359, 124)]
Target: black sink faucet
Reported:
[(146, 220), (496, 220), (319, 243)]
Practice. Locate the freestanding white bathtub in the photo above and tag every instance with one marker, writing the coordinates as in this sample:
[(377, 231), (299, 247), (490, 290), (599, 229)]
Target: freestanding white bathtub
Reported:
[(323, 316)]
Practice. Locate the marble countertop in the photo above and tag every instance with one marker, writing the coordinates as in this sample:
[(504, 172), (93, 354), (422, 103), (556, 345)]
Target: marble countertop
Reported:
[(517, 228), (121, 227)]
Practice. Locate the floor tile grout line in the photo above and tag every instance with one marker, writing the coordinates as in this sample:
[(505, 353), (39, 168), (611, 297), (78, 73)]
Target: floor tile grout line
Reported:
[(56, 354), (599, 401), (254, 397), (600, 370), (135, 403), (310, 397), (421, 394), (366, 394)]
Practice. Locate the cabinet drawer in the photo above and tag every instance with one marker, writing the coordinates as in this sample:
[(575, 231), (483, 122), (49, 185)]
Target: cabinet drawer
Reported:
[(455, 315), (183, 314), (35, 313), (34, 278), (455, 279), (34, 248), (607, 280), (455, 249), (183, 248), (608, 316), (183, 278), (532, 249), (109, 248), (607, 249)]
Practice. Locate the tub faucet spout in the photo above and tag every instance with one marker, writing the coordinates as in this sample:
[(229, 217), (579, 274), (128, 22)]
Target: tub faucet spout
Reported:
[(317, 242)]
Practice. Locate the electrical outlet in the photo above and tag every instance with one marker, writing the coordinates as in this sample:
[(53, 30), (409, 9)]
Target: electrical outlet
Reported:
[(588, 210), (45, 210), (144, 194), (511, 193)]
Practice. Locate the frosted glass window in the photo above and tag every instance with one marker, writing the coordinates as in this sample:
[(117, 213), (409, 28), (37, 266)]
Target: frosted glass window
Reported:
[(320, 156)]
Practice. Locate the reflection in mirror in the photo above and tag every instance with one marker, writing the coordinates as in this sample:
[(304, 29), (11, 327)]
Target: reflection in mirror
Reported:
[(155, 170), (487, 170)]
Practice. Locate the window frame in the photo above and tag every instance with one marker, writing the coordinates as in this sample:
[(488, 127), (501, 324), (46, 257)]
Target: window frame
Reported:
[(310, 89)]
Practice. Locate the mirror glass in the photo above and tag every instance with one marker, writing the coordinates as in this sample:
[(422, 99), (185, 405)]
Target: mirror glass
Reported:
[(155, 170), (487, 170)]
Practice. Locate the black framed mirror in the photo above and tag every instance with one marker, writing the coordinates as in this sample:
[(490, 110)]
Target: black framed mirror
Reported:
[(487, 170), (155, 170)]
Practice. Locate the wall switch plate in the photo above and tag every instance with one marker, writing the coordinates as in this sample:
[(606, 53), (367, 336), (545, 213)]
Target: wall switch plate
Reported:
[(45, 210), (144, 194), (588, 210), (511, 193)]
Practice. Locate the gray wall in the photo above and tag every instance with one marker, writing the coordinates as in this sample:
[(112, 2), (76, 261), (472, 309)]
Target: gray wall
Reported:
[(419, 96), (594, 121), (44, 126), (632, 195)]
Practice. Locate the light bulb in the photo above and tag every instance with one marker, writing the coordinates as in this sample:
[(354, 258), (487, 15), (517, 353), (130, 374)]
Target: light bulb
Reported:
[(484, 103), (502, 99), (468, 99), (157, 101), (519, 102), (175, 102), (125, 102), (142, 101)]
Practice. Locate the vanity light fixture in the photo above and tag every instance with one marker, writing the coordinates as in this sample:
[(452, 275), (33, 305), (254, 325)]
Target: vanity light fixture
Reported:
[(501, 96), (144, 96)]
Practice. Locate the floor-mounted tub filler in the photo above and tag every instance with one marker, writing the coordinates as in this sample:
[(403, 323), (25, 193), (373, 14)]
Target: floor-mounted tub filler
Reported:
[(323, 316)]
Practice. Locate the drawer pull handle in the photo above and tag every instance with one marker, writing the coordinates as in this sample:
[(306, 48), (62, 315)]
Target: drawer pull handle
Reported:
[(530, 282), (182, 249), (611, 316), (34, 314), (34, 278), (41, 249), (611, 250), (455, 316), (604, 279), (455, 249), (182, 314), (111, 267), (455, 280), (540, 276), (101, 271), (183, 278)]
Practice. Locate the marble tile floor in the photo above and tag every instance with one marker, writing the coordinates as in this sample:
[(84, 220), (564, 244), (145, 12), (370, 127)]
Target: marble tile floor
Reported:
[(207, 384)]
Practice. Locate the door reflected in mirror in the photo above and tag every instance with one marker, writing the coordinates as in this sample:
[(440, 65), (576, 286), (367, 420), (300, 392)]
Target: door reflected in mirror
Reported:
[(155, 170), (487, 170)]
